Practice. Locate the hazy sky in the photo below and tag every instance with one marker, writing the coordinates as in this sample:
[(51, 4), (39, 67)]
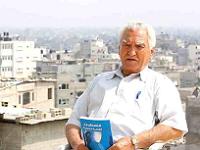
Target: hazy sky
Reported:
[(98, 13)]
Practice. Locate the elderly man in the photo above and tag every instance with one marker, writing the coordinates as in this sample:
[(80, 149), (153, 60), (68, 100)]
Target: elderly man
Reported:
[(130, 97)]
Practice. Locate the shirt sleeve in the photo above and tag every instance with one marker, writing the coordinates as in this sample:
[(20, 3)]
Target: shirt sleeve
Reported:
[(169, 107), (81, 105)]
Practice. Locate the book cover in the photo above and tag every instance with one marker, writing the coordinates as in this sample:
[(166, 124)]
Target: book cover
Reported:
[(96, 133)]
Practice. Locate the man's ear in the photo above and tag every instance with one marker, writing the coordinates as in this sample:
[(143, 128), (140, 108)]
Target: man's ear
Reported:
[(119, 49), (152, 51)]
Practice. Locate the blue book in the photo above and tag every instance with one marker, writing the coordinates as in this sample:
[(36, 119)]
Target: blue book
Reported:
[(96, 133)]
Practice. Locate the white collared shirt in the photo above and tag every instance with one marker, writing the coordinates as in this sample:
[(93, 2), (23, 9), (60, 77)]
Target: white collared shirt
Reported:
[(130, 102)]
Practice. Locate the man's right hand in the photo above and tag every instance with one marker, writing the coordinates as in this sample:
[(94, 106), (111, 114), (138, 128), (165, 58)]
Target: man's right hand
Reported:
[(74, 137)]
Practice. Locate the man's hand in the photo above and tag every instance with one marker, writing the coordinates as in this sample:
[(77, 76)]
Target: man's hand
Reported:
[(81, 147), (123, 144)]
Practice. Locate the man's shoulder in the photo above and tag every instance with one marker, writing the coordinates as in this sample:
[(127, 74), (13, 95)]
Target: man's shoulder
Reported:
[(108, 74), (102, 76), (157, 76)]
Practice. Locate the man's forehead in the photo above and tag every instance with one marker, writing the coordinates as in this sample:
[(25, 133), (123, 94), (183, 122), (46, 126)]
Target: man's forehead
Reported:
[(138, 36)]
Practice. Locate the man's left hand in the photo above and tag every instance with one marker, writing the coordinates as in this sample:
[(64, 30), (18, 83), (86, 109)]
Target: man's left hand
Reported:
[(123, 144)]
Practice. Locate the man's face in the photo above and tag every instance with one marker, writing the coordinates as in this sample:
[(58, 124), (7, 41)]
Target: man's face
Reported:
[(134, 51)]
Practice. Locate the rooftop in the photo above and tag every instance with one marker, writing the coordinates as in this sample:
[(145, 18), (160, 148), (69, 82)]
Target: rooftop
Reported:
[(32, 116)]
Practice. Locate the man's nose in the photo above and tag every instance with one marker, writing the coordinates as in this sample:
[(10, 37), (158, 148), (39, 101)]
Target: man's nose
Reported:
[(132, 51)]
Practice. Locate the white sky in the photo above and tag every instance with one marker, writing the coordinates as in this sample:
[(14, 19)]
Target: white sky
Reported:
[(98, 13)]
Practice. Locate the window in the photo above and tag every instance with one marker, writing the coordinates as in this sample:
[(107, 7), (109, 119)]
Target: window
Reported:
[(82, 80), (63, 101), (78, 75), (64, 86), (4, 104), (38, 69), (26, 98), (60, 101), (58, 57), (32, 96), (19, 99), (11, 46), (49, 93)]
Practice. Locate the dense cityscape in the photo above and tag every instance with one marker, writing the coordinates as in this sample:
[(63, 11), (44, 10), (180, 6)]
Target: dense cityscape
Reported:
[(44, 70)]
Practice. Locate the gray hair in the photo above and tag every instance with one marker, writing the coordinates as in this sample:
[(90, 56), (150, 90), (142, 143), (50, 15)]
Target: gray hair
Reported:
[(140, 25)]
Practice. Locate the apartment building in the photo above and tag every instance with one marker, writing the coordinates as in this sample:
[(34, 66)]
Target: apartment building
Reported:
[(18, 58), (194, 54), (94, 49), (38, 94)]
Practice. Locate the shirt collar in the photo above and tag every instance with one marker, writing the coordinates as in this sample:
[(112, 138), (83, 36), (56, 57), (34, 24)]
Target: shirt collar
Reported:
[(115, 73), (118, 73), (144, 74)]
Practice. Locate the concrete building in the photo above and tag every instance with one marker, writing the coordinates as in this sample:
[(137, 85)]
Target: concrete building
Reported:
[(18, 58), (98, 49), (166, 41), (33, 131), (163, 60), (194, 55), (68, 90), (94, 49), (84, 50), (60, 55), (38, 94), (72, 77), (182, 56)]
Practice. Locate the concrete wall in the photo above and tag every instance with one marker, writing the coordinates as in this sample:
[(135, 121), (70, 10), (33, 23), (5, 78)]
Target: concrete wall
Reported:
[(188, 79), (10, 136), (193, 120), (46, 136)]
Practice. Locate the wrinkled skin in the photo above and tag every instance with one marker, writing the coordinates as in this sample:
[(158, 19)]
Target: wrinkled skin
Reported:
[(134, 52)]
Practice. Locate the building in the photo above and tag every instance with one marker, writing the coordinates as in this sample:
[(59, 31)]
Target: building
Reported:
[(72, 77), (194, 55), (166, 41), (182, 56), (98, 49), (94, 49), (38, 94), (18, 58)]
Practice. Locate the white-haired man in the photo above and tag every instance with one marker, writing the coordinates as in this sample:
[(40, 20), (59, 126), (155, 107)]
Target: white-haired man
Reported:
[(130, 97)]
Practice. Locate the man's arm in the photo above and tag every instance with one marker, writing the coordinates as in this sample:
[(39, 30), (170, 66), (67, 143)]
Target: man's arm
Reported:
[(159, 133), (73, 135)]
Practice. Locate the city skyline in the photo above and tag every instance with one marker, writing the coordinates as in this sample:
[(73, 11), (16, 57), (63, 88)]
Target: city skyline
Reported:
[(98, 13)]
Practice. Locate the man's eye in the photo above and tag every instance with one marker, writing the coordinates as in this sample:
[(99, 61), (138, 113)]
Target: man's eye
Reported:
[(140, 46), (126, 46)]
